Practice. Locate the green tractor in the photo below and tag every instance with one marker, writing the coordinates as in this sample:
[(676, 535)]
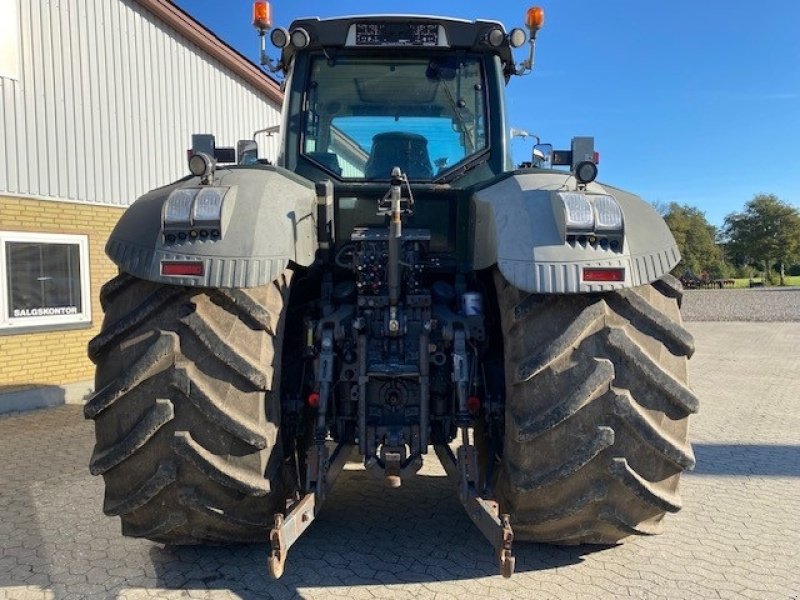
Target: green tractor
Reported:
[(392, 285)]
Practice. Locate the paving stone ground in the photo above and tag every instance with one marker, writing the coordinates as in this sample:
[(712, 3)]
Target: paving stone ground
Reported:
[(736, 538), (750, 304)]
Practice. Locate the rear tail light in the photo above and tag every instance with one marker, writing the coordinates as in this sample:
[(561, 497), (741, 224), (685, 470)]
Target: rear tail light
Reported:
[(182, 269), (603, 275)]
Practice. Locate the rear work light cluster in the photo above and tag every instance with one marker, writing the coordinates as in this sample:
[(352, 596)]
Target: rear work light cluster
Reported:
[(591, 220), (193, 214), (591, 213)]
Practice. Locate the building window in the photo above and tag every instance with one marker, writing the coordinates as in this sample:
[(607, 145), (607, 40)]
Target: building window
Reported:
[(45, 281), (9, 40)]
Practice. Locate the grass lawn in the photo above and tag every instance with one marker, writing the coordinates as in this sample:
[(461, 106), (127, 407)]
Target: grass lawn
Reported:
[(743, 283)]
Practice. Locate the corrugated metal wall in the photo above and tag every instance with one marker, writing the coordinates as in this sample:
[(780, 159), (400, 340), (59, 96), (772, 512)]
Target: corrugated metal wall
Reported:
[(107, 101)]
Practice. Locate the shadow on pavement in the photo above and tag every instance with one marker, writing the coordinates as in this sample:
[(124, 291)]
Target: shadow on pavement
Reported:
[(370, 535), (25, 559), (365, 535), (32, 499), (747, 459)]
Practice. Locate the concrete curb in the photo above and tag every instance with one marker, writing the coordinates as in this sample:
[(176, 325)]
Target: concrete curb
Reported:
[(46, 396)]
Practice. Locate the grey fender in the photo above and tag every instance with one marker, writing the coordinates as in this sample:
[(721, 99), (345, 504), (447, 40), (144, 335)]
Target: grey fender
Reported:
[(520, 226), (268, 221)]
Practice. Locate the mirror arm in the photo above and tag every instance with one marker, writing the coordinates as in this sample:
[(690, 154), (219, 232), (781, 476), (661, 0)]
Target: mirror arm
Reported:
[(526, 66), (269, 131), (266, 62)]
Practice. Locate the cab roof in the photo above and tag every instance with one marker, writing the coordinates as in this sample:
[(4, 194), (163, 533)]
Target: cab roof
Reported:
[(367, 33)]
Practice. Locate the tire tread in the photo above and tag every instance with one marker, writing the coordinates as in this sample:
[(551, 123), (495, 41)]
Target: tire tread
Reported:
[(187, 412), (596, 412)]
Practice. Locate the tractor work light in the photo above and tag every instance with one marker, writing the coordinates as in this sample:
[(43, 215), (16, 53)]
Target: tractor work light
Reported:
[(608, 214), (495, 37), (207, 207), (585, 213), (517, 37), (578, 211), (201, 164), (300, 38), (534, 18), (262, 17), (586, 172), (178, 208), (279, 37), (194, 211)]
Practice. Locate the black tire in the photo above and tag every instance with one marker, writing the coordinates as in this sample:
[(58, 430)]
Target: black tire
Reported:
[(597, 409), (187, 410)]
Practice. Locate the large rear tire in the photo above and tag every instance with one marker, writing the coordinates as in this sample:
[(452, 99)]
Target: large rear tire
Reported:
[(187, 410), (597, 409)]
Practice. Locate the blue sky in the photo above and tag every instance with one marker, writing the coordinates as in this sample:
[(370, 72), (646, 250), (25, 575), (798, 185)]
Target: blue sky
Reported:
[(696, 102)]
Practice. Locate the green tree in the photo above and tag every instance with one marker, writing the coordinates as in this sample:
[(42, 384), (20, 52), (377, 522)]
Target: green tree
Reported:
[(696, 239), (766, 232)]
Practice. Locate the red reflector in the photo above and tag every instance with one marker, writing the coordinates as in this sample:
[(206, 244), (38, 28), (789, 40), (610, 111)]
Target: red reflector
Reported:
[(604, 274), (313, 399), (473, 404), (190, 269)]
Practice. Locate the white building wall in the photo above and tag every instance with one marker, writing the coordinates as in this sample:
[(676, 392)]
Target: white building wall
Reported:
[(106, 102)]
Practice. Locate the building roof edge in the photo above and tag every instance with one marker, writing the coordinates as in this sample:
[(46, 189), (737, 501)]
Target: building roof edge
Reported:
[(209, 42)]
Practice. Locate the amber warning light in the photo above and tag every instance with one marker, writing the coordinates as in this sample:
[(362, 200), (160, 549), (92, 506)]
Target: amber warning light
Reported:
[(262, 17), (534, 18)]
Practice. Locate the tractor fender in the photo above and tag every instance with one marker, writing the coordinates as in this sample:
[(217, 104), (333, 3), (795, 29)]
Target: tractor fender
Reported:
[(267, 221), (519, 225)]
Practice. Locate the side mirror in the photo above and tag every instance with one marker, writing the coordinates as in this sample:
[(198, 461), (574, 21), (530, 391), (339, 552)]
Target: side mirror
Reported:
[(542, 154), (247, 152)]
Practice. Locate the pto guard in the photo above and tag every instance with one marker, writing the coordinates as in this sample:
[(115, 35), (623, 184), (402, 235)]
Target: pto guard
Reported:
[(267, 222), (519, 225)]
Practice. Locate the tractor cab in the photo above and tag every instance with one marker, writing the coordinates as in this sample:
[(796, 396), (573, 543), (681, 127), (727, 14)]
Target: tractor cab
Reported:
[(367, 94)]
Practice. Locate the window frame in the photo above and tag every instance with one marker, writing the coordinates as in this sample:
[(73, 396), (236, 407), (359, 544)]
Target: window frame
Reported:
[(477, 156), (10, 64), (10, 324)]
